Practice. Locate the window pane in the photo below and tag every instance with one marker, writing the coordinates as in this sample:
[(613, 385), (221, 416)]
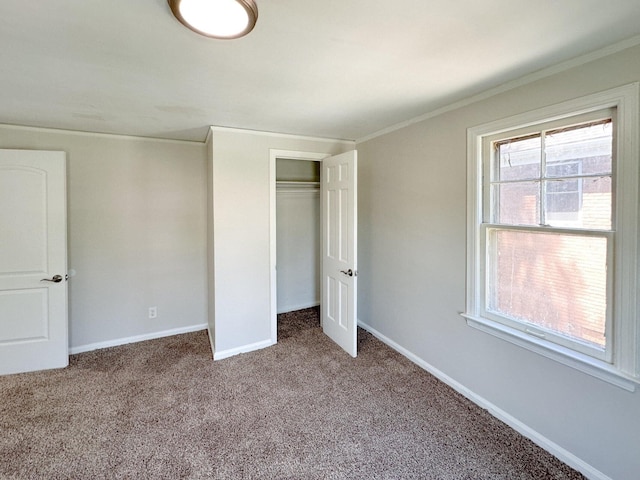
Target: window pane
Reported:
[(564, 169), (585, 150), (553, 281), (579, 203), (519, 159), (516, 203)]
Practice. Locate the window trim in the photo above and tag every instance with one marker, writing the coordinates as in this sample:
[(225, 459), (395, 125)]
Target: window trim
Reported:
[(624, 371)]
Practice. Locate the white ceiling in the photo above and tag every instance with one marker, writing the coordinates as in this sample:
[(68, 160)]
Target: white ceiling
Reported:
[(328, 68)]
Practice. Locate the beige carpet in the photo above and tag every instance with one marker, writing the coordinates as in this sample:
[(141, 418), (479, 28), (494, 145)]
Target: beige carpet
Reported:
[(302, 409)]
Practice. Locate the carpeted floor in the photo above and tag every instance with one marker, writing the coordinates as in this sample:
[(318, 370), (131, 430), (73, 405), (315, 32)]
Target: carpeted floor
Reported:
[(302, 409)]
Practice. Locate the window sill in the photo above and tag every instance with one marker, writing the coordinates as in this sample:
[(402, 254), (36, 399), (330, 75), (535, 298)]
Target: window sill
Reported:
[(563, 355)]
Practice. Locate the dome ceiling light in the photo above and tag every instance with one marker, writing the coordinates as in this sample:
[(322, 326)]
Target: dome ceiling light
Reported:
[(224, 19)]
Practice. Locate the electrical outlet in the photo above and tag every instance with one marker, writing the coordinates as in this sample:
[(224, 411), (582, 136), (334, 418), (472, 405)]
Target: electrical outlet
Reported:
[(153, 312)]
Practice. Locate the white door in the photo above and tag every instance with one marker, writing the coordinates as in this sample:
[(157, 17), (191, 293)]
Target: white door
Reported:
[(33, 261), (339, 250)]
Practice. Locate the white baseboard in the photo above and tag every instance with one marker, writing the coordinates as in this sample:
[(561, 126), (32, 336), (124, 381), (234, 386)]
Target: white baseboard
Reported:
[(539, 439), (138, 338), (243, 349), (293, 308)]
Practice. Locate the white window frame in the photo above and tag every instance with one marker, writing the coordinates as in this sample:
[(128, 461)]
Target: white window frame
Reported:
[(623, 366)]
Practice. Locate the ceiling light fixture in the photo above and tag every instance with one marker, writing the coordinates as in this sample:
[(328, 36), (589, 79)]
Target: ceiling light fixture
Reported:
[(224, 19)]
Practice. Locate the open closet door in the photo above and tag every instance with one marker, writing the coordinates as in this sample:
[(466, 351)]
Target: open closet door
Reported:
[(33, 261), (339, 249)]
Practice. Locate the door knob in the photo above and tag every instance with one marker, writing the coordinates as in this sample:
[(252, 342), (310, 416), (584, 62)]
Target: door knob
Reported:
[(54, 279), (349, 272)]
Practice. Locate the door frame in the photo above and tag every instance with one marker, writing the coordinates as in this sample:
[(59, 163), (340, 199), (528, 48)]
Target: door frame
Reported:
[(275, 154)]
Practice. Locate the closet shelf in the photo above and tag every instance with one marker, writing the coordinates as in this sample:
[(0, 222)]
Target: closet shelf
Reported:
[(289, 185)]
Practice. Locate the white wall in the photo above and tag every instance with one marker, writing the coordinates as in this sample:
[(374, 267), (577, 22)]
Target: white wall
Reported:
[(298, 248), (136, 232), (412, 211), (240, 206)]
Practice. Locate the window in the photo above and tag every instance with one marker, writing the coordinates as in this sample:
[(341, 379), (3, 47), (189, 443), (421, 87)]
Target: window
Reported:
[(548, 239), (552, 261)]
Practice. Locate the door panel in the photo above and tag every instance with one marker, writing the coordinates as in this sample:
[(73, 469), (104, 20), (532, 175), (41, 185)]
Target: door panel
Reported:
[(339, 250), (24, 219), (31, 307), (33, 312)]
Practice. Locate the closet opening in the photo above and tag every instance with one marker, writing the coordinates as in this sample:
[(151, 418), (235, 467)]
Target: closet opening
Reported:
[(331, 267), (298, 234)]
